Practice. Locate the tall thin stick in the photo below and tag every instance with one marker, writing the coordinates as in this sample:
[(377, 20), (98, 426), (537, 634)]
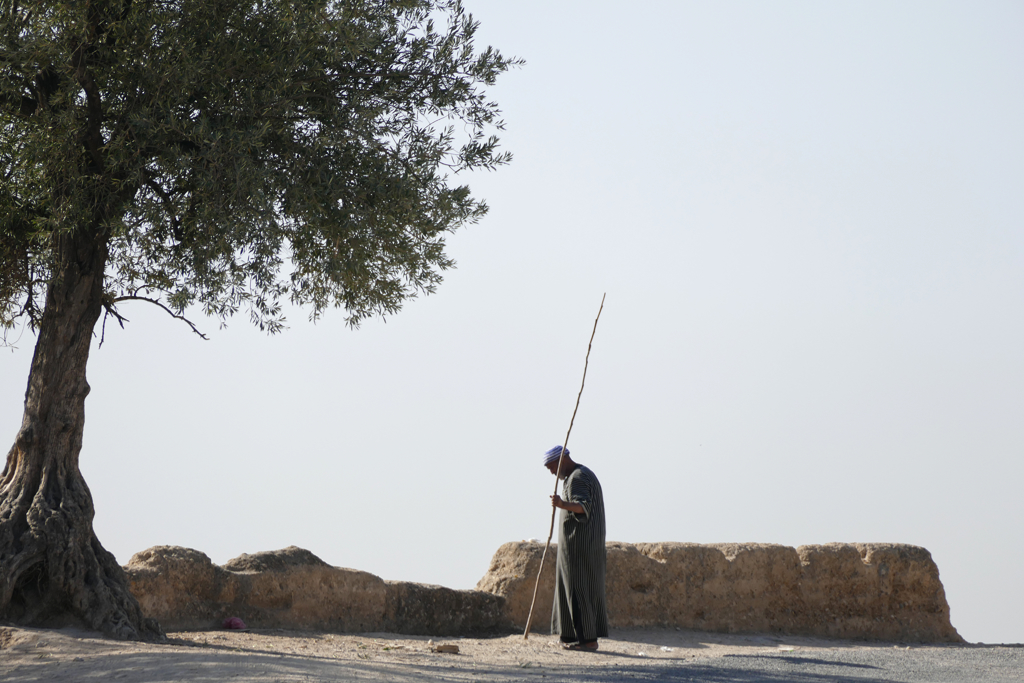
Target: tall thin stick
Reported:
[(565, 444)]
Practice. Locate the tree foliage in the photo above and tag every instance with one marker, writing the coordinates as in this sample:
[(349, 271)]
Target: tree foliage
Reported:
[(238, 154)]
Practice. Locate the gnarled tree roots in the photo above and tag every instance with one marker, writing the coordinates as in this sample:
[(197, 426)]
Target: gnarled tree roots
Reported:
[(53, 570)]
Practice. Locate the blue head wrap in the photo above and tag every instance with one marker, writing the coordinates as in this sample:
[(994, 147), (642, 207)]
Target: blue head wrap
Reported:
[(553, 454)]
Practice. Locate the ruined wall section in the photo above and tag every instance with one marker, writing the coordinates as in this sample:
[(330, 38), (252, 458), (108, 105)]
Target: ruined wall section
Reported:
[(294, 589), (873, 591)]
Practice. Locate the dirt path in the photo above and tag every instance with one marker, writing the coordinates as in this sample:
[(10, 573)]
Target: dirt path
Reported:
[(217, 656)]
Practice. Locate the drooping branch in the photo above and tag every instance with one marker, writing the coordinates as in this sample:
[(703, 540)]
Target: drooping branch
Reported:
[(110, 308)]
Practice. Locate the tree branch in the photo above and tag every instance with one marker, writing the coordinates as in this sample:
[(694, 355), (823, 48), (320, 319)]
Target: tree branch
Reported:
[(157, 303), (94, 136), (109, 309), (21, 106), (165, 199)]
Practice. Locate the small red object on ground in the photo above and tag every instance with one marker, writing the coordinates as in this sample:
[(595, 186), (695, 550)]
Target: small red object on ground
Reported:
[(233, 623)]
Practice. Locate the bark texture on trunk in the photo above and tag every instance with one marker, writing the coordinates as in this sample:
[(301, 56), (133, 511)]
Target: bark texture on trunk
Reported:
[(53, 570)]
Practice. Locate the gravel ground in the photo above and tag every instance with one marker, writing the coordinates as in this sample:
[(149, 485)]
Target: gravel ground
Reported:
[(952, 664), (31, 655)]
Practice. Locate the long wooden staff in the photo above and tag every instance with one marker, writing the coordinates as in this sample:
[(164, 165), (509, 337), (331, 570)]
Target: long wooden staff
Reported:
[(565, 444)]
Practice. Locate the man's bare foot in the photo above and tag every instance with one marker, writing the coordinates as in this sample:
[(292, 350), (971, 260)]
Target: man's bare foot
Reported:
[(582, 647)]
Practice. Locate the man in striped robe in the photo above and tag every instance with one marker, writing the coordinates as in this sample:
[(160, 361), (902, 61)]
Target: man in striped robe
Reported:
[(578, 615)]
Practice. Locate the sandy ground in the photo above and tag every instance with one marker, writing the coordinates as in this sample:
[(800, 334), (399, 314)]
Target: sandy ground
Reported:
[(276, 655)]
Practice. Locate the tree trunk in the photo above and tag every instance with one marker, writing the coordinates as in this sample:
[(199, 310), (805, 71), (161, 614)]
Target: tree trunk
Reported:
[(53, 570)]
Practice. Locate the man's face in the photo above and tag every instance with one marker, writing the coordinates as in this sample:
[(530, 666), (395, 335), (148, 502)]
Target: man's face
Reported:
[(553, 467)]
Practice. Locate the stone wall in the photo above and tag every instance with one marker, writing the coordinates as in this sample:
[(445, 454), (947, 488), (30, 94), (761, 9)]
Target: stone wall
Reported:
[(294, 589), (874, 591)]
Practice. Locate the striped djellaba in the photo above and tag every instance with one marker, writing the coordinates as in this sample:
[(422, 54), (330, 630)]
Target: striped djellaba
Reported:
[(579, 613)]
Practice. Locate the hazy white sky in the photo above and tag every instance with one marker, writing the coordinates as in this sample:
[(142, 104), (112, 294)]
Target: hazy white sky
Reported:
[(808, 220)]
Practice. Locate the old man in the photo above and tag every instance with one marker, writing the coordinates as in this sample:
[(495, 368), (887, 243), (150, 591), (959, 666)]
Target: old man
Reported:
[(579, 615)]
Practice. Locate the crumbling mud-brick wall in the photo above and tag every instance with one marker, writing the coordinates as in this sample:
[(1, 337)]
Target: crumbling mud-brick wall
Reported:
[(872, 591), (294, 589)]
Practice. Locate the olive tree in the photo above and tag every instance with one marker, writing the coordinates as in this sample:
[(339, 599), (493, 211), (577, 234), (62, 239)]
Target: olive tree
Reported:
[(220, 156)]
